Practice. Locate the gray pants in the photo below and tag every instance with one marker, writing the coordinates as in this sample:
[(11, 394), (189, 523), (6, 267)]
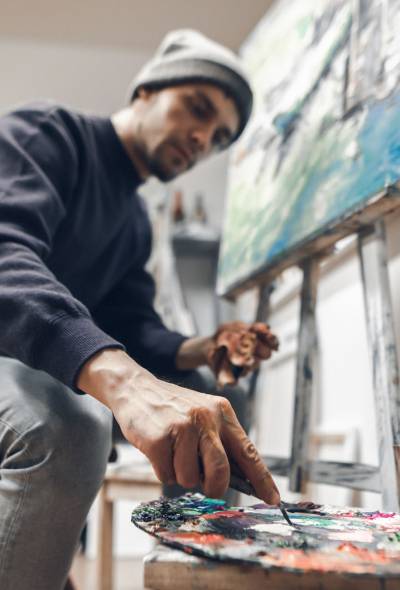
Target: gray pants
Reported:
[(54, 446)]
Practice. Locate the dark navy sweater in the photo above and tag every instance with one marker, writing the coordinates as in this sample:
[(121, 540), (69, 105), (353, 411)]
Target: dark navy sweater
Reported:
[(74, 239)]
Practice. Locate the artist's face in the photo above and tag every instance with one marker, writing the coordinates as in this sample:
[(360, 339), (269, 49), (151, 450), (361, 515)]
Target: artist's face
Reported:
[(181, 125)]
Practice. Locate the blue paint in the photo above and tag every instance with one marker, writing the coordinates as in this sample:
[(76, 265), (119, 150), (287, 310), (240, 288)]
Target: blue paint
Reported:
[(377, 166), (303, 165)]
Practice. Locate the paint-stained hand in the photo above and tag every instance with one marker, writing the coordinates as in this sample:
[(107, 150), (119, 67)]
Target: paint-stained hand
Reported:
[(187, 436), (238, 348)]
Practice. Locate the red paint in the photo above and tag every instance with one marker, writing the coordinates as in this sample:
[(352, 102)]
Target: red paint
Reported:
[(377, 514), (298, 559), (376, 556), (348, 515), (367, 515), (199, 538), (364, 561)]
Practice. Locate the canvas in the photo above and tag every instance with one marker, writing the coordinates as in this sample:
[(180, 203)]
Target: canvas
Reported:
[(324, 137), (323, 538)]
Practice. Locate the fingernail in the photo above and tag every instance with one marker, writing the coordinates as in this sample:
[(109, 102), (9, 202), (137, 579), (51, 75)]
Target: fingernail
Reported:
[(274, 497)]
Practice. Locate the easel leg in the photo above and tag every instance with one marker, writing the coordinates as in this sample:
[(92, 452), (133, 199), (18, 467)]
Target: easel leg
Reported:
[(385, 372), (305, 365), (262, 314)]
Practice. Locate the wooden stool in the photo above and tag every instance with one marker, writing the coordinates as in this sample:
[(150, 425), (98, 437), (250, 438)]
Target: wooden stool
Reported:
[(170, 569), (128, 482)]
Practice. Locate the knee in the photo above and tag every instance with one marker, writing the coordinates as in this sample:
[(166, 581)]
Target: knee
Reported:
[(83, 436), (66, 448)]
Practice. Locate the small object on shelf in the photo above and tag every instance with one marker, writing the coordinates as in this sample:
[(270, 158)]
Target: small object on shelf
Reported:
[(199, 212), (177, 209)]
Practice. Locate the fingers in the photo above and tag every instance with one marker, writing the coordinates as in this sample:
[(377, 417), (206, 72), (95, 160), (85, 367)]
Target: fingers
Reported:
[(245, 455), (262, 351), (215, 465), (265, 335), (243, 346), (161, 457), (251, 464), (186, 458), (225, 375), (157, 448)]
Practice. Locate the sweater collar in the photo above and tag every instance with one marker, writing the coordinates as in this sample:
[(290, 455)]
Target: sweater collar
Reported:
[(118, 155)]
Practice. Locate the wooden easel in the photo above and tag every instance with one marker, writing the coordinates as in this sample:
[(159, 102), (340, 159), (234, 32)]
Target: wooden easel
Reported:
[(385, 478), (166, 568)]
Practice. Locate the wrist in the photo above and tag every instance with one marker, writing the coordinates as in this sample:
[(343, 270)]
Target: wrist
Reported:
[(193, 353), (110, 376)]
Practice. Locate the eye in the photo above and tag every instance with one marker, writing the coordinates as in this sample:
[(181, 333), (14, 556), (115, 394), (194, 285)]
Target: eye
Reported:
[(198, 108), (222, 139)]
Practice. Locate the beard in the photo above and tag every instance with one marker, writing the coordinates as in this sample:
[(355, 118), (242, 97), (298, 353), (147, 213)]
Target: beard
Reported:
[(160, 170), (165, 165)]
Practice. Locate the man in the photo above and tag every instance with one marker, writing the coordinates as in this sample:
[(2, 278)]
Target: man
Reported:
[(76, 313)]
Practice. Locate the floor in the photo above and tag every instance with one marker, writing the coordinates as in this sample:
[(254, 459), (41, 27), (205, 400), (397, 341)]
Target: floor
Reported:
[(128, 574)]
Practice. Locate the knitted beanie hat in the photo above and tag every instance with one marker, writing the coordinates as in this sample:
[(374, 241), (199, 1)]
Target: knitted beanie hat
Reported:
[(188, 56)]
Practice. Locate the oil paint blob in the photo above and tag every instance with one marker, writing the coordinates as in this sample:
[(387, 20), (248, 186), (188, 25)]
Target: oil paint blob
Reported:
[(323, 538)]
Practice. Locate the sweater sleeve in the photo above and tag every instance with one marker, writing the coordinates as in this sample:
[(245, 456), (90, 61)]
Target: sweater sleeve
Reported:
[(128, 314), (41, 323)]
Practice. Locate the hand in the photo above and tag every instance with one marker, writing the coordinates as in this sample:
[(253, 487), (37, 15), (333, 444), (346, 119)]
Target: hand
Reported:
[(186, 435), (238, 348)]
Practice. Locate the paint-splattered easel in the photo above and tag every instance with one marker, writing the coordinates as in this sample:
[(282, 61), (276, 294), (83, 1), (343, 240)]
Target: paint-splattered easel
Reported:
[(165, 569), (369, 226), (370, 53)]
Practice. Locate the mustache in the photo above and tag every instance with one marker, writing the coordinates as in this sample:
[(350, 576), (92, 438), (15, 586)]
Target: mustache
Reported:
[(188, 153)]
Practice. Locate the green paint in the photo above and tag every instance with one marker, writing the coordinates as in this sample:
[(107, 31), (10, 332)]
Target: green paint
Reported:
[(318, 522), (304, 24), (184, 523), (394, 537)]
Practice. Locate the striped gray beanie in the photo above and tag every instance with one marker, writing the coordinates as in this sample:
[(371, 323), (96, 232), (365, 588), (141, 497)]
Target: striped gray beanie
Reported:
[(186, 55)]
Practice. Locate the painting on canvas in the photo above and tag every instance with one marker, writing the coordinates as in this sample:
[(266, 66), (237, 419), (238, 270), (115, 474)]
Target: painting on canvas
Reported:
[(324, 136)]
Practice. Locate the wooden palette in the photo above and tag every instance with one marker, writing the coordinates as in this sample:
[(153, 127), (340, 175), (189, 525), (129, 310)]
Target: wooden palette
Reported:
[(325, 540)]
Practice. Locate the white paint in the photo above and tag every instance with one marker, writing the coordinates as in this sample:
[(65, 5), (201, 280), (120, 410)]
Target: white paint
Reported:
[(358, 536), (274, 528)]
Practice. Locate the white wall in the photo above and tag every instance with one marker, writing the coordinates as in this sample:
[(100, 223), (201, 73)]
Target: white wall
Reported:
[(90, 78), (209, 179)]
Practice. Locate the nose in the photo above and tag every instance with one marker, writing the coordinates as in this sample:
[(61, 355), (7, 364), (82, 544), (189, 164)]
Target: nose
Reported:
[(201, 140)]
